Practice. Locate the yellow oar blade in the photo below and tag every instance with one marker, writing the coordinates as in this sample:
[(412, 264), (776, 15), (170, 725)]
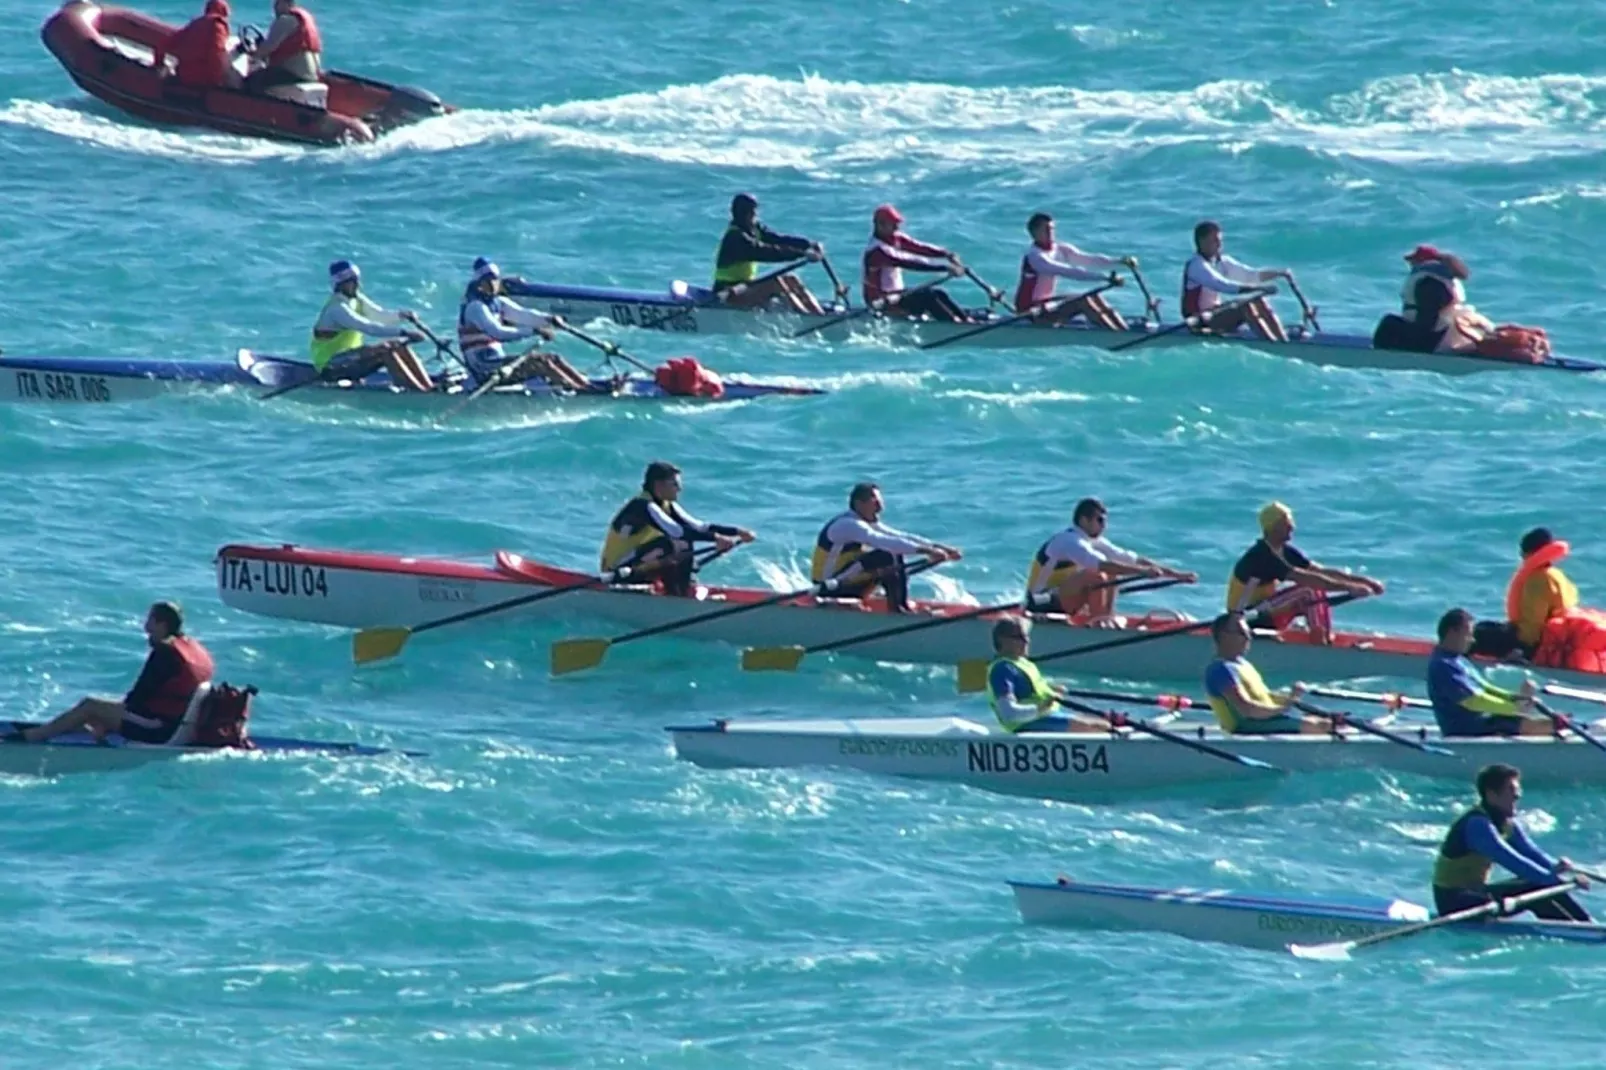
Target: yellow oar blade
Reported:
[(377, 644), (573, 655), (772, 658), (972, 675)]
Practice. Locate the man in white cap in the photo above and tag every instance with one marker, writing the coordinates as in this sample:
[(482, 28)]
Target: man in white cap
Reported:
[(350, 316), (488, 317)]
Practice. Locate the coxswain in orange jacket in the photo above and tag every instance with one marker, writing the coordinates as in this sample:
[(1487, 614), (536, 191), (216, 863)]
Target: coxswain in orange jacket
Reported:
[(200, 49), (155, 706), (291, 53)]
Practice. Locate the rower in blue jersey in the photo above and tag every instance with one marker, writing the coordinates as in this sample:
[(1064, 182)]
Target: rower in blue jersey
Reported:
[(1016, 690), (1242, 703), (1490, 834), (1465, 703)]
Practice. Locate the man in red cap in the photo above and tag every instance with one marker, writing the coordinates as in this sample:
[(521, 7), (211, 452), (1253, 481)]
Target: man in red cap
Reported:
[(201, 50), (890, 253)]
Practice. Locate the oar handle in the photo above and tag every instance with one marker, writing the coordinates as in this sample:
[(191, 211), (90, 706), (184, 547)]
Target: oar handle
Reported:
[(994, 294), (1562, 720), (836, 283), (1151, 307), (441, 346), (1305, 307)]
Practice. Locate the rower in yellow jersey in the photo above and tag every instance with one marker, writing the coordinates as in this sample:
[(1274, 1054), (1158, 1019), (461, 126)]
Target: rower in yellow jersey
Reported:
[(653, 525), (748, 243), (1241, 701), (1021, 699)]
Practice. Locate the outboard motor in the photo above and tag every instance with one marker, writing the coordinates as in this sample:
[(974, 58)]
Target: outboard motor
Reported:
[(407, 104)]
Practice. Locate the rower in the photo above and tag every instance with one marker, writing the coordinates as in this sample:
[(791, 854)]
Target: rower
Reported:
[(1465, 703), (856, 546), (200, 50), (1016, 690), (748, 243), (350, 315), (1212, 273), (1069, 567), (653, 526), (1274, 560), (154, 707), (487, 317), (890, 253), (1048, 260), (1490, 834), (1242, 703), (1539, 590), (290, 54)]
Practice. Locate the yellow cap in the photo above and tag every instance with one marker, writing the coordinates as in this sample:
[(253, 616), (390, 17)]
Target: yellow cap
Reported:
[(1271, 514)]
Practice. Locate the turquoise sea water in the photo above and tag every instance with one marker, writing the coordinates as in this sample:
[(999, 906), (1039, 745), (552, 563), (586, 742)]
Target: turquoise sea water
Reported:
[(550, 887)]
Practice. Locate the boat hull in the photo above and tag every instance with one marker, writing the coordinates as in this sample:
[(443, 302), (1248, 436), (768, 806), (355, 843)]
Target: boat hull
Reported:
[(78, 752), (1100, 766), (1263, 922), (99, 381), (107, 51), (368, 590), (692, 311)]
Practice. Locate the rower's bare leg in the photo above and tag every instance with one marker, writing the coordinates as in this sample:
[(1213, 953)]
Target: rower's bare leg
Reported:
[(407, 369), (1265, 321), (1075, 594), (1315, 726), (802, 298), (1104, 314), (99, 714), (1537, 726), (560, 371)]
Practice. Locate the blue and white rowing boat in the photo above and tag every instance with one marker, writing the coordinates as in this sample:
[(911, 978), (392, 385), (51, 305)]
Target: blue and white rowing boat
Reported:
[(690, 309), (96, 380), (1265, 922), (80, 752)]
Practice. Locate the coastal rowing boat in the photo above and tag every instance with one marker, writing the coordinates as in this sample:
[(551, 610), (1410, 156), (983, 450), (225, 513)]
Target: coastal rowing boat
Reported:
[(1097, 766), (1264, 922), (80, 752), (693, 310), (374, 590), (96, 380)]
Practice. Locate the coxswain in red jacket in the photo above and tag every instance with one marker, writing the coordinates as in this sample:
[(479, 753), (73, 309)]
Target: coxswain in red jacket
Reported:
[(154, 707), (890, 253), (201, 48)]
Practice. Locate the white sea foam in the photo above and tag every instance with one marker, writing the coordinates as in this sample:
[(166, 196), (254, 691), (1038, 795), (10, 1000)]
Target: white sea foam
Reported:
[(855, 129)]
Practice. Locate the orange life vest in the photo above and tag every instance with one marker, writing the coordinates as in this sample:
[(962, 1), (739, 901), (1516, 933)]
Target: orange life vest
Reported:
[(1543, 557), (305, 39), (173, 700)]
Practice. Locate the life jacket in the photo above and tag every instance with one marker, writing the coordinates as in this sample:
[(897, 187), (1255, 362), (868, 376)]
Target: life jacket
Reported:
[(471, 337), (201, 50), (305, 39), (831, 558), (1250, 684), (223, 717), (172, 700), (685, 377), (1046, 573), (1193, 297), (1457, 865), (1575, 640), (1041, 692), (1542, 558), (740, 271), (329, 344)]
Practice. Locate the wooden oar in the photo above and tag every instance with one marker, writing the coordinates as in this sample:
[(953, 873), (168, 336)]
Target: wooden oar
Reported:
[(973, 671), (1305, 307), (573, 655), (836, 283), (1049, 306), (1151, 307), (994, 294), (1562, 721), (1121, 720), (377, 644), (441, 346), (1370, 729), (1191, 322), (788, 658), (878, 305), (1388, 698), (743, 287), (1340, 952), (502, 375)]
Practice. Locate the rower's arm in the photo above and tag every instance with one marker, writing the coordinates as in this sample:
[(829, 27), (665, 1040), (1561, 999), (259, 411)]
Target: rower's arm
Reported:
[(1046, 262), (1247, 707), (906, 261), (373, 321), (881, 537), (793, 245), (478, 315), (527, 318), (1517, 855), (693, 529), (1203, 273)]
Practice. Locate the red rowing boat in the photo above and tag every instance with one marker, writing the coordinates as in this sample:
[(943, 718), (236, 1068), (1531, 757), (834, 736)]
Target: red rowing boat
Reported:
[(109, 52)]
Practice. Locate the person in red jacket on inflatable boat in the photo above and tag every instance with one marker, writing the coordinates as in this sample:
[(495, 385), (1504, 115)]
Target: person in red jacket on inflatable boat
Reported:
[(200, 50), (291, 53)]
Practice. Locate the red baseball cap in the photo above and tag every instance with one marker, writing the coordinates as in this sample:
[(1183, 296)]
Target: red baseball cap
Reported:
[(1423, 253), (889, 213)]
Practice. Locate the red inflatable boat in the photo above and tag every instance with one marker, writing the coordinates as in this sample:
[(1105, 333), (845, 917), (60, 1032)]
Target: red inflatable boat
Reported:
[(109, 52)]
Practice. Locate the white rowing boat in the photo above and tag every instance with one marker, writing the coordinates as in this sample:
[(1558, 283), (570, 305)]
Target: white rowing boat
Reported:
[(81, 752), (1098, 766), (1265, 922), (692, 310), (98, 381), (371, 590)]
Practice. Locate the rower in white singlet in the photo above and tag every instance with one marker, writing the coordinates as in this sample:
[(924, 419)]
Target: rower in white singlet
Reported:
[(1048, 260), (1211, 273)]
